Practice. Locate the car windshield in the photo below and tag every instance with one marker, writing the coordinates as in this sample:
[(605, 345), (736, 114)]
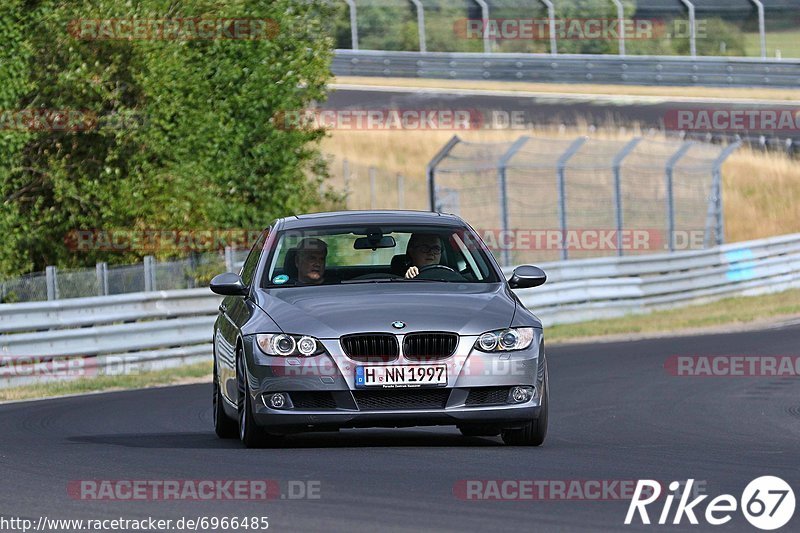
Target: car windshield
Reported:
[(345, 255)]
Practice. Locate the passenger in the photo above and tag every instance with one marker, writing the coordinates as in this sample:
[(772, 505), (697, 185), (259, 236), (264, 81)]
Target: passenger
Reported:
[(423, 249)]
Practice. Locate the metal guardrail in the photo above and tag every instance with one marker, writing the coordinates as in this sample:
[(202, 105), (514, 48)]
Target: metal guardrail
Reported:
[(170, 328), (610, 287), (572, 68)]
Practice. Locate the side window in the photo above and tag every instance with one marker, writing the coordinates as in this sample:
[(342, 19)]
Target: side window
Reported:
[(250, 264)]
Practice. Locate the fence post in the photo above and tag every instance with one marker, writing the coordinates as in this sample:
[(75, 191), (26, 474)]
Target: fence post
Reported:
[(620, 25), (353, 24), (431, 168), (420, 25), (346, 174), (617, 168), (762, 30), (551, 16), (401, 200), (101, 269), (228, 259), (562, 190), (670, 166), (372, 187), (487, 43), (715, 211), (692, 28), (51, 278), (149, 273), (502, 165)]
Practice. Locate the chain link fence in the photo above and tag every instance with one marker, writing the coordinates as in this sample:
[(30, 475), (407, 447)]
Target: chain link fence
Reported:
[(539, 199), (150, 275)]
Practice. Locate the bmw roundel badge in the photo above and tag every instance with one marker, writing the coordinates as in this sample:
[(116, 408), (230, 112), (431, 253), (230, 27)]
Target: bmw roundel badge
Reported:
[(398, 325)]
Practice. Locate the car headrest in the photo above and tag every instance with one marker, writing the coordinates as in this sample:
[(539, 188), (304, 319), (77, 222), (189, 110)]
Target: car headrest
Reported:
[(289, 266), (400, 264)]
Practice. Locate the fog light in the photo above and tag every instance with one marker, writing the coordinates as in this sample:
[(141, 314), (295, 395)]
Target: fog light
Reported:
[(277, 401), (521, 394)]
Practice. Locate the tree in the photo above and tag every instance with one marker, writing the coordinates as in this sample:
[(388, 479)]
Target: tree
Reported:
[(189, 138)]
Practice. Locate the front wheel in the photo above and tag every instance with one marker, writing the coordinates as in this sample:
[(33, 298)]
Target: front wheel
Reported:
[(251, 435), (532, 433)]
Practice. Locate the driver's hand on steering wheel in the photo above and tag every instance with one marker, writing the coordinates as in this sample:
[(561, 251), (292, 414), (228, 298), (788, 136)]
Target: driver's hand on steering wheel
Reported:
[(412, 272)]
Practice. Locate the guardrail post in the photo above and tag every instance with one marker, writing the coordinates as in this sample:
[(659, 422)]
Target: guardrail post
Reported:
[(401, 191), (420, 25), (617, 168), (692, 28), (762, 31), (551, 16), (562, 191), (430, 170), (502, 165), (669, 168), (620, 25), (101, 269), (51, 279), (353, 24), (149, 273)]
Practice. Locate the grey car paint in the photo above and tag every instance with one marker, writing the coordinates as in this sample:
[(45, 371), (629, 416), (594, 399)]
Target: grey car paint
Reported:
[(329, 312)]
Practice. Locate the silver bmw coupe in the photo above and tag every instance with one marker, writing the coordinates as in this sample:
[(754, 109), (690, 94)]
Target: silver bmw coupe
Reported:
[(376, 319)]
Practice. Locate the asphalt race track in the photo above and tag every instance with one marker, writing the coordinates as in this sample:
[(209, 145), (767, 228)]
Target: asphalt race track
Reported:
[(616, 414), (568, 109)]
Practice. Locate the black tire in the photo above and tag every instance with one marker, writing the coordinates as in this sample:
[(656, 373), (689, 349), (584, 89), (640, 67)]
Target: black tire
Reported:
[(479, 431), (224, 426), (251, 435), (534, 432)]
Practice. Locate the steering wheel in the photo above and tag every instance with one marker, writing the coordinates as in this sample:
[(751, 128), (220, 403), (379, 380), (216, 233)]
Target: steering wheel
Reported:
[(431, 267)]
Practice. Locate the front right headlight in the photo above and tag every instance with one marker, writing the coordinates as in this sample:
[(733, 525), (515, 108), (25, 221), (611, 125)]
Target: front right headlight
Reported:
[(505, 340)]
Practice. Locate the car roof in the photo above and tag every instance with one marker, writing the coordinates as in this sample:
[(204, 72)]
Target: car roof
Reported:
[(338, 218)]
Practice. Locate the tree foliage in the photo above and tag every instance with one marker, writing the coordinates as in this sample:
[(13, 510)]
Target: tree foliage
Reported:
[(194, 142)]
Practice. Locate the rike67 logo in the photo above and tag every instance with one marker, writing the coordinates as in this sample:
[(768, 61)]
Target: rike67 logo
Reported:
[(767, 503)]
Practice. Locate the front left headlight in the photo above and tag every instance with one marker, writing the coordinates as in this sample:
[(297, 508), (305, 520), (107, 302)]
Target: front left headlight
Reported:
[(505, 340), (283, 345)]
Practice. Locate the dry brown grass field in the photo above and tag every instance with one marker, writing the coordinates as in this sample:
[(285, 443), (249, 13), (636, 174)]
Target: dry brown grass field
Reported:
[(761, 190)]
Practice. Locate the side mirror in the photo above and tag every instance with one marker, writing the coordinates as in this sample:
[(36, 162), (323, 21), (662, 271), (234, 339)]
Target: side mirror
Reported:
[(228, 284), (527, 276)]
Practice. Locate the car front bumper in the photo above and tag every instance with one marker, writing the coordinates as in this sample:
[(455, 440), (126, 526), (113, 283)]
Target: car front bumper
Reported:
[(320, 391)]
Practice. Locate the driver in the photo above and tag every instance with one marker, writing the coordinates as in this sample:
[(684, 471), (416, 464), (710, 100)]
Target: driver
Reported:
[(310, 261), (423, 249)]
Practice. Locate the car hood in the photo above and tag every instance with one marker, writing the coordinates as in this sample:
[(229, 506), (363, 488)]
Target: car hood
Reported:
[(328, 312)]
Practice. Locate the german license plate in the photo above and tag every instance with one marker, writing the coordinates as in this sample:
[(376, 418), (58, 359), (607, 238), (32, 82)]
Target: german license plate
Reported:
[(401, 376)]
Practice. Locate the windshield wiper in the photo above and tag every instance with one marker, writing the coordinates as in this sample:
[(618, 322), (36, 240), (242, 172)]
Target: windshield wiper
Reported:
[(382, 280)]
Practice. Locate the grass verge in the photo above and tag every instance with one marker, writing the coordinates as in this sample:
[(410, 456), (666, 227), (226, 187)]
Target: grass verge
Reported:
[(577, 88), (731, 312), (172, 376)]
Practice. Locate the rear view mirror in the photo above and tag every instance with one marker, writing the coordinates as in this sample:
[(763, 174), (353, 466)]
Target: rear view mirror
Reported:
[(374, 242), (527, 276)]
